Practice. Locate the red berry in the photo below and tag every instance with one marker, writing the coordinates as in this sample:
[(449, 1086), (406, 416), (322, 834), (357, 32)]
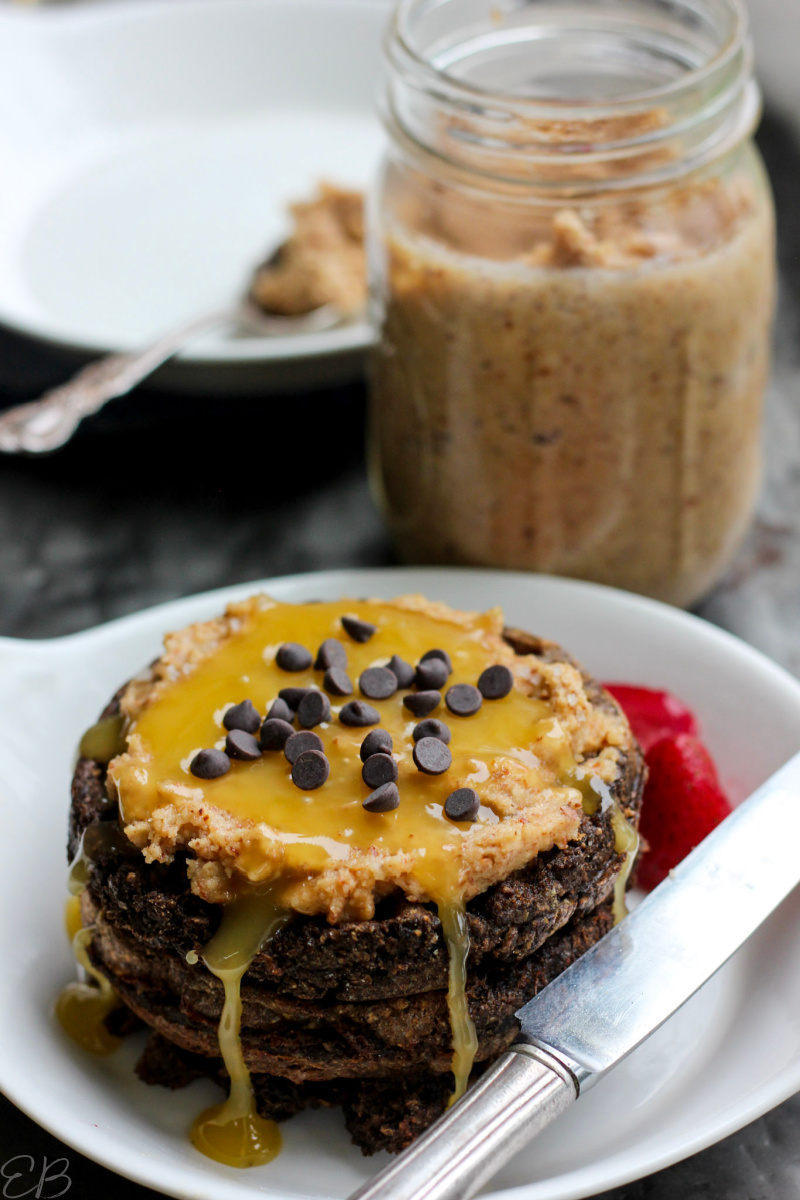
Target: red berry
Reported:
[(683, 802), (652, 715)]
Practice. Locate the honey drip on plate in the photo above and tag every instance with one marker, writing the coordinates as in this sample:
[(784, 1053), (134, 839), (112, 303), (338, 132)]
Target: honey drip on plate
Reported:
[(82, 1008), (233, 1133), (453, 917)]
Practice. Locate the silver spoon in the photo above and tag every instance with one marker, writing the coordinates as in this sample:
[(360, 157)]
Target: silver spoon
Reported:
[(45, 424)]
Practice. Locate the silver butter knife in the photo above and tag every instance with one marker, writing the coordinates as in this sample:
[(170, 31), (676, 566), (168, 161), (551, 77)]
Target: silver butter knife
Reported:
[(608, 1002)]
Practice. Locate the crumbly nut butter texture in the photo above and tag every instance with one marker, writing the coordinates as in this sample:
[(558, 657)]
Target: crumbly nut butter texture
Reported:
[(322, 262), (321, 849)]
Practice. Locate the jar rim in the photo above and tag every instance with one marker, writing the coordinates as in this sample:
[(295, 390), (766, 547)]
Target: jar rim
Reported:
[(689, 120), (736, 40)]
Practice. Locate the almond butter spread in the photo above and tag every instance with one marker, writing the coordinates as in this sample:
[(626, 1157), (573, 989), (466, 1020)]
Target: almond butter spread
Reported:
[(327, 854)]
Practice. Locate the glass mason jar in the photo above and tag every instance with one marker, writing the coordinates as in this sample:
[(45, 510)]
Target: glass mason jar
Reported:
[(571, 254)]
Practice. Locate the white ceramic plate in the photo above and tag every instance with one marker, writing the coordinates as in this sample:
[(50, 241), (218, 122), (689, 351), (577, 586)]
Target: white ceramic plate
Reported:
[(148, 150), (729, 1055)]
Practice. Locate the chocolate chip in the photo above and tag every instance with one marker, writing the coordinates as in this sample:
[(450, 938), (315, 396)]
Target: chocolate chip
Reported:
[(379, 769), (376, 742), (441, 654), (422, 703), (310, 770), (210, 764), (431, 728), (463, 699), (495, 682), (292, 696), (359, 713), (432, 756), (242, 716), (383, 799), (337, 682), (402, 671), (330, 654), (242, 745), (280, 710), (378, 683), (313, 710), (431, 675), (462, 805), (359, 631), (299, 743), (292, 656), (275, 733)]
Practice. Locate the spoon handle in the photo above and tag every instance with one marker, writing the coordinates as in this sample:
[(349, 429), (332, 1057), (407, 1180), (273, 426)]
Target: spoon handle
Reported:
[(45, 424)]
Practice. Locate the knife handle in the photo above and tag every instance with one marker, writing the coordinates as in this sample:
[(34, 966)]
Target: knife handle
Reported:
[(524, 1091)]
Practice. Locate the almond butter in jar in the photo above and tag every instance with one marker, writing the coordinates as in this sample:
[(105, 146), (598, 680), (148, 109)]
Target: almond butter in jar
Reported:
[(572, 276)]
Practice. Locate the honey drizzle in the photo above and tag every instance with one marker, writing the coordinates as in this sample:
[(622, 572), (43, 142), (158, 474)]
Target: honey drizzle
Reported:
[(72, 917), (104, 740), (82, 1008), (309, 833), (455, 928), (626, 841), (233, 1133), (597, 795)]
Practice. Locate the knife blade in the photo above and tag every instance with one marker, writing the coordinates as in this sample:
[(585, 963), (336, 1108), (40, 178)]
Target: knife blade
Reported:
[(614, 997)]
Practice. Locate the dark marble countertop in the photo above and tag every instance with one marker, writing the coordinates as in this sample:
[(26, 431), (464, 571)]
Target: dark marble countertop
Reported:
[(161, 496)]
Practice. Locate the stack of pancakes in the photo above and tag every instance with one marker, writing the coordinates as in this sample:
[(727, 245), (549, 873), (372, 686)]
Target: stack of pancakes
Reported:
[(353, 1014)]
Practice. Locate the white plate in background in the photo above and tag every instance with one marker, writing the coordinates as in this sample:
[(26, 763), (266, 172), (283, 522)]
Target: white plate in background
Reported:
[(729, 1055), (148, 150)]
